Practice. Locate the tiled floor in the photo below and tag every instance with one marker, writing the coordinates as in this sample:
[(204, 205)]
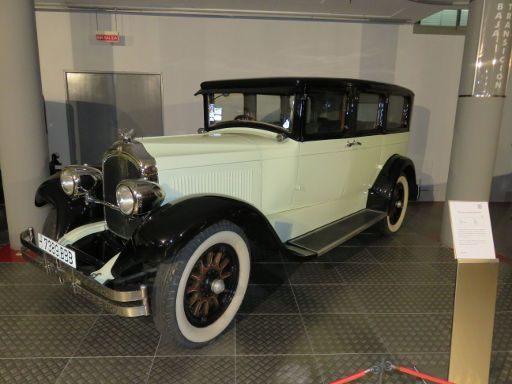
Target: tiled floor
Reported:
[(303, 321)]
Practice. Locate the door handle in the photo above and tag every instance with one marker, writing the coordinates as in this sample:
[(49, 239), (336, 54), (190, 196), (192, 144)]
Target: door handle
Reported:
[(352, 143)]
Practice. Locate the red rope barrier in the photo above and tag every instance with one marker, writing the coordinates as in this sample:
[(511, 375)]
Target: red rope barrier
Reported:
[(422, 375), (351, 378), (388, 366)]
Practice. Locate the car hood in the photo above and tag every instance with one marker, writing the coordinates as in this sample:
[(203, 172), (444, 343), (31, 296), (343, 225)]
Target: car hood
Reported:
[(230, 145)]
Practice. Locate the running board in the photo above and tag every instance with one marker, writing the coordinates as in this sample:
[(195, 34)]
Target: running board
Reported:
[(323, 239)]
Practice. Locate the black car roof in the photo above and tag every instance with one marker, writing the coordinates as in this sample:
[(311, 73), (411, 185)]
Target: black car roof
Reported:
[(297, 84)]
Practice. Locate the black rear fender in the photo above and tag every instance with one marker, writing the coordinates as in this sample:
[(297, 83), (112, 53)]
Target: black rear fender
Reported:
[(71, 213), (169, 228), (380, 193)]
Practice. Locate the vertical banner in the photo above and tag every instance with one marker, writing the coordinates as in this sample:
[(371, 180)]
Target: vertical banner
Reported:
[(493, 58)]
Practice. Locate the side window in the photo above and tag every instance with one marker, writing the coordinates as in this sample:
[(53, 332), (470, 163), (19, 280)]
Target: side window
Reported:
[(326, 115), (397, 114), (369, 109)]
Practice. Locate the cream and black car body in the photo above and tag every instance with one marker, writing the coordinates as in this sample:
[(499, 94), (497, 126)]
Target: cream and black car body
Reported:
[(166, 226)]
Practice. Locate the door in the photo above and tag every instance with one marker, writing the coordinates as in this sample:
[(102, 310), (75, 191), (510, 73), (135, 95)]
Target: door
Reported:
[(365, 147), (323, 155), (101, 104)]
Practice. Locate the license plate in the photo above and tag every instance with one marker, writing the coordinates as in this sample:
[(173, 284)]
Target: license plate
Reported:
[(53, 248)]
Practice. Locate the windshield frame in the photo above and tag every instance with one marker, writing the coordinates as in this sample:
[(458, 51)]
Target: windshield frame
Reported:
[(293, 132)]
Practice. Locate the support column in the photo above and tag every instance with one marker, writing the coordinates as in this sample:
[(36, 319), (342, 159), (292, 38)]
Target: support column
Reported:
[(23, 141), (482, 88)]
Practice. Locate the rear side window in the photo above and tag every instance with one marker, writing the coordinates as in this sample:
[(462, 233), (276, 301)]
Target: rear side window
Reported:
[(396, 120), (326, 115), (369, 111)]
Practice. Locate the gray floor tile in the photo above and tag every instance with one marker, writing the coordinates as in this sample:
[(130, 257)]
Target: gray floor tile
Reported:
[(268, 273), (277, 370), (342, 334), (414, 333), (224, 345), (504, 299), (271, 334), (193, 370), (120, 336), (42, 336), (23, 274), (417, 240), (428, 298), (106, 370), (312, 273), (505, 274), (389, 298), (269, 299), (363, 274), (43, 299), (502, 332), (364, 300), (349, 255), (447, 270), (327, 298), (501, 368), (30, 371), (414, 273), (412, 254)]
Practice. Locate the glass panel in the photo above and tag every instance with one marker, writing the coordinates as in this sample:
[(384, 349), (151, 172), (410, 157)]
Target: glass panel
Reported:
[(326, 114), (445, 18), (368, 112), (395, 112), (464, 18), (276, 110)]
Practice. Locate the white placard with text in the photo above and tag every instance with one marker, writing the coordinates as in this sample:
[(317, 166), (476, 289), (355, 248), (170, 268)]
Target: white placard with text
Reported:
[(471, 230)]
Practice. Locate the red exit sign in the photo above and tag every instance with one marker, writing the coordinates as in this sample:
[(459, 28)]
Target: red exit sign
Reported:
[(108, 36)]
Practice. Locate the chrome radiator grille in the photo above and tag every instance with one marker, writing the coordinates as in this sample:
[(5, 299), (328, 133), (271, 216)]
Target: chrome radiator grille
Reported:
[(116, 168)]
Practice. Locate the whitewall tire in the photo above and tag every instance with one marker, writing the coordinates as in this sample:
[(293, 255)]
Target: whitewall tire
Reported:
[(198, 292), (398, 205)]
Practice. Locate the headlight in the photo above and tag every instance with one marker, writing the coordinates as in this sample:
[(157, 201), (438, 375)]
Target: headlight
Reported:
[(136, 197), (125, 199), (77, 180)]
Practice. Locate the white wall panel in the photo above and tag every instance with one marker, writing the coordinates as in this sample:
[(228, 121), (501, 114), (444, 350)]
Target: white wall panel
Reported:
[(188, 50)]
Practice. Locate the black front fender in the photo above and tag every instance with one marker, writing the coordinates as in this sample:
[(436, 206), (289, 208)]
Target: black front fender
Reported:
[(71, 213), (170, 227)]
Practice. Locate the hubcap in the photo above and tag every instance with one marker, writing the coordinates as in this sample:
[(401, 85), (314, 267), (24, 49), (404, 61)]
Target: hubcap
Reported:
[(397, 203), (211, 285), (218, 286)]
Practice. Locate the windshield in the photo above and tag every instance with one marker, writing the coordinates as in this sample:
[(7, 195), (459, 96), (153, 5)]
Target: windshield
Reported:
[(224, 109)]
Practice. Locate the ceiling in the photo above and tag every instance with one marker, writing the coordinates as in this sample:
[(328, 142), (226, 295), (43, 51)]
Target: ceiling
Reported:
[(394, 11)]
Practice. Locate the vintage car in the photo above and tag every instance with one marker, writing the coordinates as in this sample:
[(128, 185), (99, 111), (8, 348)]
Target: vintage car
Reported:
[(167, 225)]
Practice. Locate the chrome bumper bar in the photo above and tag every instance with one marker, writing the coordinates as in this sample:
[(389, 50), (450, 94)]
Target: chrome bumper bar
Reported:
[(122, 303)]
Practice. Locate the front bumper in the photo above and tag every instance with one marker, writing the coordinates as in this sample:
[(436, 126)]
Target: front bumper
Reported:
[(122, 303)]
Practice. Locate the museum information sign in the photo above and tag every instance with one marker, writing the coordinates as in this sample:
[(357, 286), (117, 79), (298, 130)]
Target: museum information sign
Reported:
[(471, 230)]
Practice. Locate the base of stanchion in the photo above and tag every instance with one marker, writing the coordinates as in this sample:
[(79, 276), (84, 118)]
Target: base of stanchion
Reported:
[(473, 320)]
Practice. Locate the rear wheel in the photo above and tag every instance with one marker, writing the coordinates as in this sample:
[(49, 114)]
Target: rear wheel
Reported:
[(397, 205), (198, 292)]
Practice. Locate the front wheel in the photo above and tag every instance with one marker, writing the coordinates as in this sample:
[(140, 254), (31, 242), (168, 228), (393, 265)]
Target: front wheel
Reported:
[(198, 292), (397, 205)]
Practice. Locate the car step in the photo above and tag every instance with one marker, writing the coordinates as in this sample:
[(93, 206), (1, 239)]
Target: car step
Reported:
[(323, 239)]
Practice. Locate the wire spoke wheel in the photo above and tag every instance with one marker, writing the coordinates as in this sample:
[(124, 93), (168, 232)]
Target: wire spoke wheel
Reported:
[(211, 285)]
